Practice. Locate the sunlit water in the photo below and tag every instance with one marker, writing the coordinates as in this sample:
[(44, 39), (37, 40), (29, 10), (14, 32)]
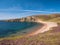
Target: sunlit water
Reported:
[(10, 28)]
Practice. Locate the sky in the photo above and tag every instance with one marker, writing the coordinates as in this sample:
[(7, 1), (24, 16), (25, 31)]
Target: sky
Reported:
[(10, 9)]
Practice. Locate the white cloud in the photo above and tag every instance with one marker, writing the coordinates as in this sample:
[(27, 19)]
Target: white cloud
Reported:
[(21, 9)]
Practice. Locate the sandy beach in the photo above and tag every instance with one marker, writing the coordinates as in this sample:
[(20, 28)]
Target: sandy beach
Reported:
[(46, 27)]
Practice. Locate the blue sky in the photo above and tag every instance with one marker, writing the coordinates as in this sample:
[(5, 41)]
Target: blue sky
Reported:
[(22, 8)]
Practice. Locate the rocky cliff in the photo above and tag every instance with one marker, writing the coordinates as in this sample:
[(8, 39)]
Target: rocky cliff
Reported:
[(29, 19)]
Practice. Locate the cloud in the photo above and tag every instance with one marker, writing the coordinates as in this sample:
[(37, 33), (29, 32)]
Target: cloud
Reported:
[(32, 10), (40, 11), (17, 9)]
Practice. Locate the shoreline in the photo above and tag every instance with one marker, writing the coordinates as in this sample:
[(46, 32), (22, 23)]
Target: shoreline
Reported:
[(34, 31), (46, 27)]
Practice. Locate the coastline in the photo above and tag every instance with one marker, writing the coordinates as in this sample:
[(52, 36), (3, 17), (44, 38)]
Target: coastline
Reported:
[(40, 29), (34, 31), (46, 27)]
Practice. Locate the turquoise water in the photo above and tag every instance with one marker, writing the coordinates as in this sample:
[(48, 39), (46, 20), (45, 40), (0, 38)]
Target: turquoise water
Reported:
[(8, 28)]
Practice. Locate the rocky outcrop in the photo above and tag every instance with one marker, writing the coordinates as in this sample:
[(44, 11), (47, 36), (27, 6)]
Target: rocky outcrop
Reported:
[(28, 19)]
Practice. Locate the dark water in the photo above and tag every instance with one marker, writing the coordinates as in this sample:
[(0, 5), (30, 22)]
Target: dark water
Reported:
[(8, 28)]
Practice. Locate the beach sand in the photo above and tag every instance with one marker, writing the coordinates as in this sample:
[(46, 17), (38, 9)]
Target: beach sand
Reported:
[(46, 27)]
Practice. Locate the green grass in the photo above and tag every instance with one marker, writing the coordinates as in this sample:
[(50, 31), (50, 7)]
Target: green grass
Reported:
[(11, 38), (55, 20)]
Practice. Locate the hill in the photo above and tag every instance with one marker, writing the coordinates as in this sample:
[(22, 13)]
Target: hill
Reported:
[(48, 17)]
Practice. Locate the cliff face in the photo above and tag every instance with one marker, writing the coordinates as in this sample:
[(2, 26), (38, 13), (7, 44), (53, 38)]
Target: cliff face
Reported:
[(29, 19)]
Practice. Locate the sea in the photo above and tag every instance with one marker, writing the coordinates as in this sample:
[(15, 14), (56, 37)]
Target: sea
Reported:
[(16, 28)]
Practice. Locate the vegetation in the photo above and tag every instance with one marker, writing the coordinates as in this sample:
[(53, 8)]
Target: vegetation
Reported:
[(52, 17)]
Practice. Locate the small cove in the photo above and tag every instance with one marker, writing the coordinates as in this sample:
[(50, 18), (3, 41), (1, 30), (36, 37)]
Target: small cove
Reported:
[(16, 28)]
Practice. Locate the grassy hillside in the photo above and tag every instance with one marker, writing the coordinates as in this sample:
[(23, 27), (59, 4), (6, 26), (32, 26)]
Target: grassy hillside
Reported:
[(51, 17), (55, 20)]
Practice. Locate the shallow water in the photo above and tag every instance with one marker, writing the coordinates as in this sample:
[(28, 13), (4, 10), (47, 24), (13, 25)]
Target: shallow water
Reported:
[(9, 28)]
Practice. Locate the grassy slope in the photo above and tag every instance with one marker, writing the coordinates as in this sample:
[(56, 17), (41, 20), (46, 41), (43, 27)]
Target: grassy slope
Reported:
[(52, 17), (51, 37), (55, 20)]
